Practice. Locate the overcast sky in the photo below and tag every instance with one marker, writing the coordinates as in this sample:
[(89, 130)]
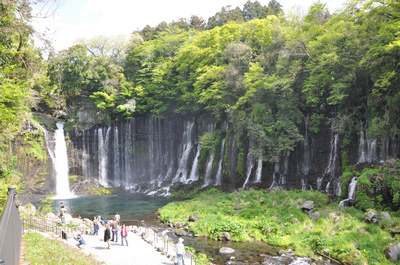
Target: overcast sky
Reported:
[(88, 18)]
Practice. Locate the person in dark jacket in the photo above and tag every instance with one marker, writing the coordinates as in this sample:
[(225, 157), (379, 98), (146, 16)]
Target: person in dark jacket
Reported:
[(107, 235)]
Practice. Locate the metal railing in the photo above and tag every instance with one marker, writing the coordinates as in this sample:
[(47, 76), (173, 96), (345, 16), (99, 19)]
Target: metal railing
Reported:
[(10, 230), (39, 224), (168, 245)]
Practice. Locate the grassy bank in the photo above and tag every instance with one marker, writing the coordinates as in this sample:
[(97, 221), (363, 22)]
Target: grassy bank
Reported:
[(276, 218), (43, 250)]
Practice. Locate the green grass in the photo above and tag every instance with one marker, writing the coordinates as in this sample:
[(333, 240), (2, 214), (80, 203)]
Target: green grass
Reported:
[(42, 250), (276, 218)]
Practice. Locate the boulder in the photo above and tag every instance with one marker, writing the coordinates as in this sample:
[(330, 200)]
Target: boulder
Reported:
[(395, 231), (28, 209), (392, 252), (236, 212), (315, 215), (281, 252), (226, 250), (224, 236), (372, 217), (386, 215), (239, 207), (194, 217), (307, 205)]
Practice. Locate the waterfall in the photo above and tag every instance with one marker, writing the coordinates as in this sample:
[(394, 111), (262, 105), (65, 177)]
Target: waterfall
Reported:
[(103, 155), (259, 169), (303, 185), (117, 175), (250, 164), (219, 172), (181, 174), (330, 169), (194, 172), (209, 166), (60, 163), (274, 175), (351, 194), (282, 179), (319, 183)]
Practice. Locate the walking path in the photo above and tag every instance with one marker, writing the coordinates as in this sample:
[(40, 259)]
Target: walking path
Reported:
[(139, 252)]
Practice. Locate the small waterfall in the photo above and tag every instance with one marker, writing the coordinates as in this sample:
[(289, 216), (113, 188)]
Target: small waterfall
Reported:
[(103, 155), (303, 185), (274, 176), (330, 169), (319, 183), (305, 164), (219, 172), (209, 166), (250, 164), (327, 187), (61, 164), (194, 173), (282, 179), (259, 169), (117, 175), (181, 174), (351, 195)]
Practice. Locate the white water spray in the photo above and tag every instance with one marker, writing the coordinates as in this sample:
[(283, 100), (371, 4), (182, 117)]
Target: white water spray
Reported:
[(60, 163)]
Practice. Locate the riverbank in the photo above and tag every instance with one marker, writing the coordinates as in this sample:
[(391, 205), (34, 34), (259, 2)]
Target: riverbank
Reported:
[(303, 221)]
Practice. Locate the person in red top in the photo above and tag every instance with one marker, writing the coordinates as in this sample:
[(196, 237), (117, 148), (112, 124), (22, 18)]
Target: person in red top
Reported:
[(124, 235)]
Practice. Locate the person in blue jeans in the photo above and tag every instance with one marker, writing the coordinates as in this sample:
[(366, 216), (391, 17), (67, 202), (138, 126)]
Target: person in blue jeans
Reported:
[(124, 235), (81, 242), (114, 230), (180, 251)]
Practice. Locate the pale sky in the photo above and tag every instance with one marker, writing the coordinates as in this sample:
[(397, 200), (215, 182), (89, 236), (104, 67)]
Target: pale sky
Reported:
[(88, 18)]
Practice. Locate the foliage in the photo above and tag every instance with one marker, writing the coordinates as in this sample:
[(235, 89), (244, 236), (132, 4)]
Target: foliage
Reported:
[(100, 191), (262, 217), (42, 250), (46, 205)]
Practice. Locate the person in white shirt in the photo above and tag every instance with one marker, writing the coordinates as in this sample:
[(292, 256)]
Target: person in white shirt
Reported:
[(180, 251)]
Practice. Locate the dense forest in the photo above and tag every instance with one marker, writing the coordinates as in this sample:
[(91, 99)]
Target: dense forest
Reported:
[(262, 69)]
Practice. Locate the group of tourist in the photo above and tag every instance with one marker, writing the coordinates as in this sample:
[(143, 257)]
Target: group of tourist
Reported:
[(112, 230)]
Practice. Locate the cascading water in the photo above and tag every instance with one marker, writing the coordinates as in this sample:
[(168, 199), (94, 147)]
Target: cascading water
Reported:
[(351, 193), (259, 169), (60, 163), (181, 173), (209, 166), (219, 171), (250, 164), (194, 172)]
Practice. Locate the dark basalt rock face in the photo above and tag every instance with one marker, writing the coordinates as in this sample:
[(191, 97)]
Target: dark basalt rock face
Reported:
[(147, 154)]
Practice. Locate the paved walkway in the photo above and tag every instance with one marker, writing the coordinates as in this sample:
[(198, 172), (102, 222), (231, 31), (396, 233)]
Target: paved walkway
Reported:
[(139, 252)]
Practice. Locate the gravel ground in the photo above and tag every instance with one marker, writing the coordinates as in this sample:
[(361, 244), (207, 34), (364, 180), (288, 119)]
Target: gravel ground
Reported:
[(139, 252)]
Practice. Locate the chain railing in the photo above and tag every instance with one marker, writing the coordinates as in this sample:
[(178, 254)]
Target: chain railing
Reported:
[(10, 230), (168, 246)]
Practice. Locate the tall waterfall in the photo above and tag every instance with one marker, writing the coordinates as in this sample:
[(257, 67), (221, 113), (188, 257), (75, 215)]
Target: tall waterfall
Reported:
[(60, 163), (181, 174), (209, 166), (194, 172)]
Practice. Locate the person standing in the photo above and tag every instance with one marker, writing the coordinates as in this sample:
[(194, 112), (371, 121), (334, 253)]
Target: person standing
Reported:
[(114, 230), (107, 236), (118, 218), (180, 251), (63, 211), (124, 235), (95, 225)]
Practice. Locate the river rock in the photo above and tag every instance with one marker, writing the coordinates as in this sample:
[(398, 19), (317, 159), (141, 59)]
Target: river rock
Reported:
[(307, 205), (239, 207), (372, 217), (224, 236), (392, 252), (177, 224), (180, 232), (226, 250), (236, 212)]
